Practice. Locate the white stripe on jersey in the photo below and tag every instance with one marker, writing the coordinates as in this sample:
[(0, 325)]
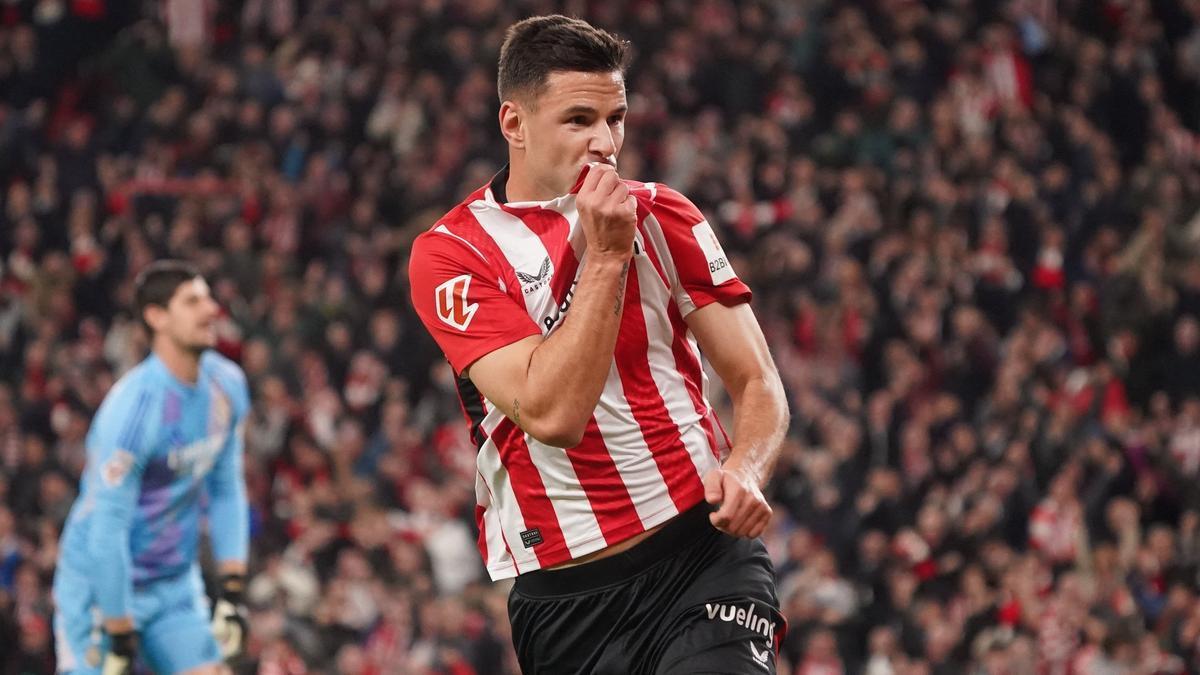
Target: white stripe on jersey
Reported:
[(522, 248), (568, 208), (629, 452), (575, 517), (653, 230), (509, 518), (496, 552), (670, 382)]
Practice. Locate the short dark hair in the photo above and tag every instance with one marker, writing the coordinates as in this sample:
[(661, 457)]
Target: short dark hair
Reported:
[(157, 283), (535, 47)]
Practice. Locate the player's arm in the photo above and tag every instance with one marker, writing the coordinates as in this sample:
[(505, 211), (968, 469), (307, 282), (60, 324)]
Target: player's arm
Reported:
[(229, 534), (714, 303), (732, 341), (115, 465), (549, 387)]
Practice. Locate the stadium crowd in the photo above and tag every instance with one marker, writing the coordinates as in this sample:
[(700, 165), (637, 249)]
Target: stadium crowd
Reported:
[(972, 228)]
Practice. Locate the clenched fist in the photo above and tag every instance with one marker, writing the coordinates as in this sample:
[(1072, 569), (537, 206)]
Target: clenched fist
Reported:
[(743, 510), (607, 212)]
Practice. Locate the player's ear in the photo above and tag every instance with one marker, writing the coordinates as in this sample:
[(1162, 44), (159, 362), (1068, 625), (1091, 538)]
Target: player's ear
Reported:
[(155, 317), (512, 123)]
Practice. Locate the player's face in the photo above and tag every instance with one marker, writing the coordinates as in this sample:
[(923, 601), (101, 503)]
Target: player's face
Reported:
[(578, 119), (190, 318)]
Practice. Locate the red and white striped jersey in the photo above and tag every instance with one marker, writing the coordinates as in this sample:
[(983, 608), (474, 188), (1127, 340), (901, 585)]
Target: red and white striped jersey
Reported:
[(490, 273)]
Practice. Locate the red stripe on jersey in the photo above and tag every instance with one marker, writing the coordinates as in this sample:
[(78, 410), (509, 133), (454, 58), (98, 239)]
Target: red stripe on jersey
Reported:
[(536, 509), (688, 365), (647, 405), (652, 254), (643, 212), (721, 428), (552, 228), (603, 485)]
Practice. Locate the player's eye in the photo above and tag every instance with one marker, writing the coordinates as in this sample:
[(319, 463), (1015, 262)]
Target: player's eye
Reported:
[(616, 119), (579, 120)]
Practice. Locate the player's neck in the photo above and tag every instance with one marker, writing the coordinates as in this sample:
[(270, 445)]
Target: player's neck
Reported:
[(518, 191), (520, 186), (184, 364)]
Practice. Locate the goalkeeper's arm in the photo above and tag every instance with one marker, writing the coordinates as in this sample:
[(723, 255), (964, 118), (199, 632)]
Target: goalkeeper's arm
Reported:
[(229, 533)]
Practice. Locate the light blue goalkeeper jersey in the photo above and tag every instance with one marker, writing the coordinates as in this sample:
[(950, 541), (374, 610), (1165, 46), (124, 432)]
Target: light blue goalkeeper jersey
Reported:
[(161, 454)]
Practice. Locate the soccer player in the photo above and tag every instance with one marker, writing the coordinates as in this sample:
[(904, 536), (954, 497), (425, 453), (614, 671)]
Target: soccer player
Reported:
[(574, 306), (166, 442)]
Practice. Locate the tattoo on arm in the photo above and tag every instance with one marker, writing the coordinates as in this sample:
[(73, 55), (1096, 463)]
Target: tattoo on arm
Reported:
[(516, 412), (620, 299)]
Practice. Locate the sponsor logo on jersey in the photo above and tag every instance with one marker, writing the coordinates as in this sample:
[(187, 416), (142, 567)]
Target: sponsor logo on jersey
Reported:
[(718, 263), (531, 538), (741, 616), (452, 306), (550, 320), (532, 282), (196, 458), (760, 657)]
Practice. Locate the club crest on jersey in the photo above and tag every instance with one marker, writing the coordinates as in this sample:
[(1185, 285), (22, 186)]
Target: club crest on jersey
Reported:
[(532, 282), (114, 470), (451, 300)]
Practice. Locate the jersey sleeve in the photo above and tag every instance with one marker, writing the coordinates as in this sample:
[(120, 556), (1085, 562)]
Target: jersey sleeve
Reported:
[(461, 300), (228, 510), (117, 446), (704, 273)]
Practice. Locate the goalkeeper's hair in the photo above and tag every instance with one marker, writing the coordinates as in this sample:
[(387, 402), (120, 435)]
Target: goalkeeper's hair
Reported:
[(535, 47), (157, 283)]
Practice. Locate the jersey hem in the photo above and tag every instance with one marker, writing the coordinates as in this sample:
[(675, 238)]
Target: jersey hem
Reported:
[(504, 570)]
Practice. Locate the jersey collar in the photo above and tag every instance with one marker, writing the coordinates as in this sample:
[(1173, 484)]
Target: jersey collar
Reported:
[(496, 193)]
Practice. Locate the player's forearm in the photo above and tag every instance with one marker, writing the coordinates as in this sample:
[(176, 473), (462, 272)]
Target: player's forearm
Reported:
[(108, 545), (760, 422), (229, 524), (567, 372)]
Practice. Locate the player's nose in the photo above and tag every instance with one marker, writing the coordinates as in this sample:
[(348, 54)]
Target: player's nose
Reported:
[(211, 308), (603, 144)]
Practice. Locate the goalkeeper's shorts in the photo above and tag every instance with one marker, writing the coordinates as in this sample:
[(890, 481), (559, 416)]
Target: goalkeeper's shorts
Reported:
[(688, 599), (171, 617)]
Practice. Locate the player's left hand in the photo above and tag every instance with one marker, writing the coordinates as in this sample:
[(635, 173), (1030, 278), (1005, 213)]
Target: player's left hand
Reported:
[(229, 625), (743, 510)]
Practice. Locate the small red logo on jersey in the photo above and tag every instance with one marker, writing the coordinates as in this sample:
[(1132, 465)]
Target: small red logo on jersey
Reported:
[(452, 304)]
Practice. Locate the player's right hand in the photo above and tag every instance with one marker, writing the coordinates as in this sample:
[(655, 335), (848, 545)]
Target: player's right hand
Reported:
[(121, 651), (229, 623), (607, 212)]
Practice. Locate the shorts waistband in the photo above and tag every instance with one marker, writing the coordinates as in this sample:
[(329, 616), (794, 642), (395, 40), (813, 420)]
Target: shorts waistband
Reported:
[(680, 533)]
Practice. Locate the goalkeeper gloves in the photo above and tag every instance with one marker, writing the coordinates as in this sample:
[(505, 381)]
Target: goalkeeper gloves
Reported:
[(229, 616), (121, 651)]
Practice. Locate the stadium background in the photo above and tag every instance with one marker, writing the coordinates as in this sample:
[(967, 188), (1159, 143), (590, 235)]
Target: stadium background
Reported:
[(972, 228)]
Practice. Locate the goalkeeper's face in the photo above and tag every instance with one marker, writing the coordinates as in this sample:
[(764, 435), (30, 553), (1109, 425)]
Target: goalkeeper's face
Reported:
[(190, 317), (578, 118)]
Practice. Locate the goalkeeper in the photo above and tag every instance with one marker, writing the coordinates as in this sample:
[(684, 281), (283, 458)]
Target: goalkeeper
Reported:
[(164, 449)]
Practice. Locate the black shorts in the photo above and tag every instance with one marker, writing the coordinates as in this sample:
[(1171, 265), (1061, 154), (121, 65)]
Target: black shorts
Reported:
[(688, 599)]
